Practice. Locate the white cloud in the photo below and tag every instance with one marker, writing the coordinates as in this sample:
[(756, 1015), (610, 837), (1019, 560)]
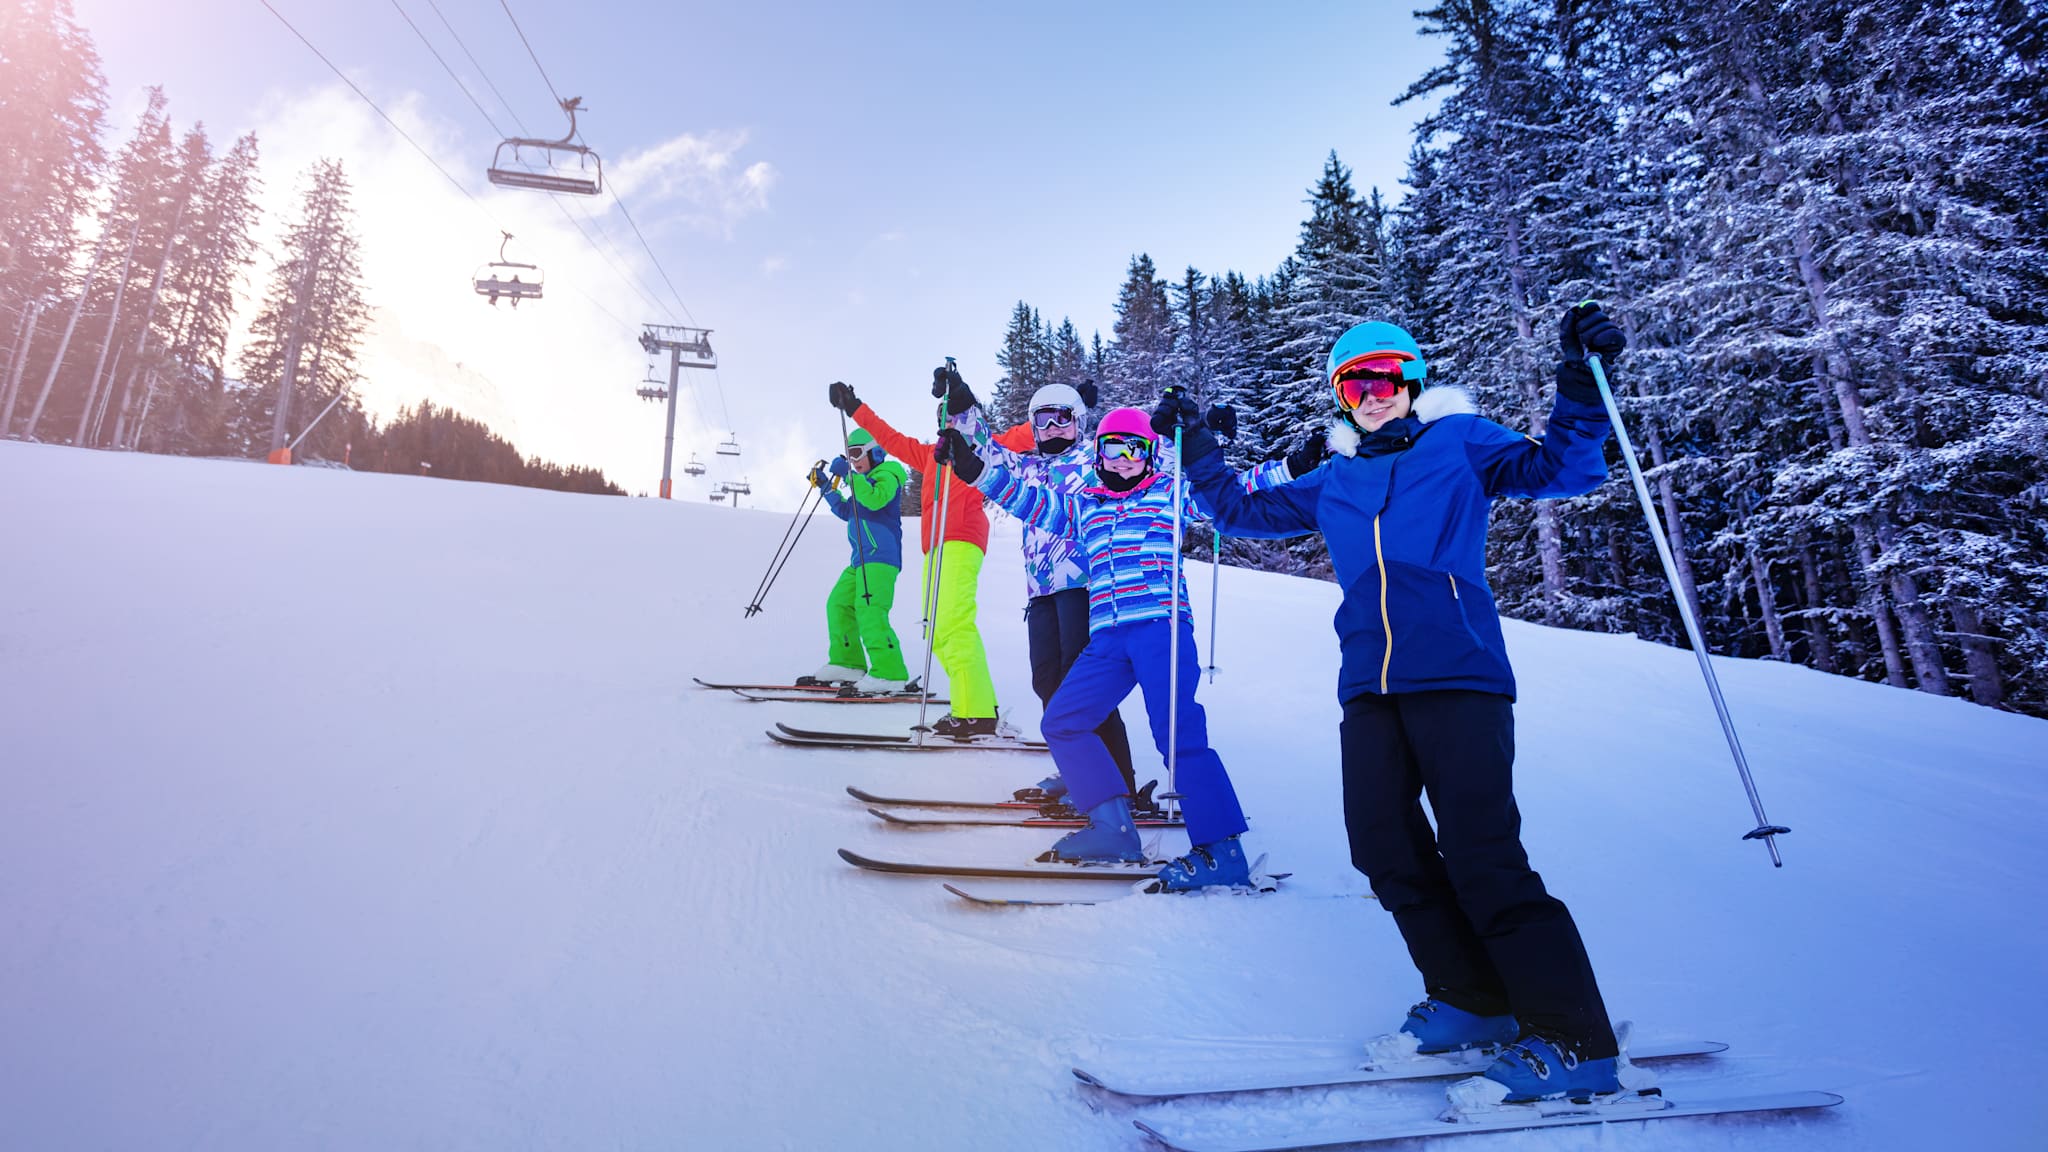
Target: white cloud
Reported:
[(696, 181), (774, 264)]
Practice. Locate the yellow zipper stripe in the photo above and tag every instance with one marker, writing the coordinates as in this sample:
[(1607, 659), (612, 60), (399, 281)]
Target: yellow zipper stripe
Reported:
[(1386, 625)]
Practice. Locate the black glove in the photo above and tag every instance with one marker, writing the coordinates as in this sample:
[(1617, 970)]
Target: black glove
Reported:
[(1175, 407), (946, 382), (1313, 451), (1587, 329), (1089, 393), (842, 397), (953, 448), (1575, 379), (1222, 420)]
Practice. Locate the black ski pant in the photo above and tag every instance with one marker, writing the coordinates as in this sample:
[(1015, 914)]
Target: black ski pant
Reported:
[(1478, 923), (1058, 627)]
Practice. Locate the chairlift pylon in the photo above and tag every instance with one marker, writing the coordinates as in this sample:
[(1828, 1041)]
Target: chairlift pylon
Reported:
[(730, 446), (509, 278), (549, 165)]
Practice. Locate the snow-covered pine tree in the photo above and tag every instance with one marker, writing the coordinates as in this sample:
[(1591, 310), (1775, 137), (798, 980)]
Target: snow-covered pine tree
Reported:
[(188, 403), (1138, 368)]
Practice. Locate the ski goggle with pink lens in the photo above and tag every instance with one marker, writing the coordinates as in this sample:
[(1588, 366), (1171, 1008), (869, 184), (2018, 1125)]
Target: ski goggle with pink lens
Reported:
[(1123, 447), (1376, 376), (1051, 419)]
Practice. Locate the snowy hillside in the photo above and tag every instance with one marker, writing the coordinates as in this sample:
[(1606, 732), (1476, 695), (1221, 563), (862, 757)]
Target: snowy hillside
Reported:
[(370, 812)]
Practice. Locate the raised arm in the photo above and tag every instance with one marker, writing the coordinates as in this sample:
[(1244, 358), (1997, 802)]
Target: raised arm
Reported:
[(1034, 504), (1567, 461)]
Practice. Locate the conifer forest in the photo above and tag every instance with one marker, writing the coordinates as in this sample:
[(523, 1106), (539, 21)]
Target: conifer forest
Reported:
[(1821, 226)]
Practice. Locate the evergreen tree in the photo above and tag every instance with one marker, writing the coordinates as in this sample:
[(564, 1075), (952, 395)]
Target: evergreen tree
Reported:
[(1138, 367)]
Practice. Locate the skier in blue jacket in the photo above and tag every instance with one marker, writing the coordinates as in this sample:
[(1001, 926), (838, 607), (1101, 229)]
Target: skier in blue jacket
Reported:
[(1428, 694)]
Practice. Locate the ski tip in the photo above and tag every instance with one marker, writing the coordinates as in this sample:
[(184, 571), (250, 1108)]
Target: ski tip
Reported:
[(1154, 1133), (886, 817), (1086, 1077), (853, 858)]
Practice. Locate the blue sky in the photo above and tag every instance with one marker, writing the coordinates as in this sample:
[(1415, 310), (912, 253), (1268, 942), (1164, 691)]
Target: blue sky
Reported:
[(839, 191)]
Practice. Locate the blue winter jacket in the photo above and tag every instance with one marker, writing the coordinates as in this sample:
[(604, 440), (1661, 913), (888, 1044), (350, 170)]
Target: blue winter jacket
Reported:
[(873, 514), (1404, 514)]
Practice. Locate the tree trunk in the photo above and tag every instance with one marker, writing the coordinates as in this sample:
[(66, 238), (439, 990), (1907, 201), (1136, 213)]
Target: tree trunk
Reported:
[(1549, 546), (1874, 606), (107, 342), (35, 414), (156, 285), (1674, 521), (1760, 572), (1987, 685), (99, 417), (1820, 645), (18, 367), (1922, 647)]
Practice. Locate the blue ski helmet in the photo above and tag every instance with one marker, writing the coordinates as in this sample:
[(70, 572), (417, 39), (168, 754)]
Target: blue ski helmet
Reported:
[(1378, 338)]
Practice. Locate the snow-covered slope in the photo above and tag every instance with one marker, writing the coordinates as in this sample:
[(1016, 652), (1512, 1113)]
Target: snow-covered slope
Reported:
[(351, 811)]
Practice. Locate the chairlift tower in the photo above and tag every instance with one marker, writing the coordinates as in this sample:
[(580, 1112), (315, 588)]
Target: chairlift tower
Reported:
[(686, 348), (734, 490)]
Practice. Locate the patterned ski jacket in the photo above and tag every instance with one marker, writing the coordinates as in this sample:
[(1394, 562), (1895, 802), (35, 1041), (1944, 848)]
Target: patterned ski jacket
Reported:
[(966, 519), (1054, 561), (872, 507), (1404, 512)]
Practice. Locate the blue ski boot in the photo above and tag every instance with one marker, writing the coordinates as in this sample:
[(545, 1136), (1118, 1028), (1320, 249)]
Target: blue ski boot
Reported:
[(1216, 865), (1050, 790), (1110, 837), (1439, 1027), (1542, 1069)]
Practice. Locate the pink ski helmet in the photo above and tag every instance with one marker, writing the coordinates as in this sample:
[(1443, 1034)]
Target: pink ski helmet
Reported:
[(1127, 422)]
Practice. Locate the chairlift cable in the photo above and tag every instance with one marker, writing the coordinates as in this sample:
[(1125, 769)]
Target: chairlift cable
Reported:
[(438, 59), (530, 52), (474, 63)]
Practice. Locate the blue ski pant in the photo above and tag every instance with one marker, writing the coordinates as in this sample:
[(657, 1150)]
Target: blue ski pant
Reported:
[(1116, 660), (1058, 628), (1485, 934)]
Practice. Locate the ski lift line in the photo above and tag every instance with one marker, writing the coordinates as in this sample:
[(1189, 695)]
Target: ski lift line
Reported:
[(365, 97), (438, 59), (529, 51), (480, 70)]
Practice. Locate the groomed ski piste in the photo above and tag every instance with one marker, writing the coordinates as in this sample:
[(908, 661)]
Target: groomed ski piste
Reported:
[(360, 811)]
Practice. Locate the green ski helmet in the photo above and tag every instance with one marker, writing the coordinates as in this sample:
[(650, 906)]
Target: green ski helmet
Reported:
[(859, 437), (1378, 338)]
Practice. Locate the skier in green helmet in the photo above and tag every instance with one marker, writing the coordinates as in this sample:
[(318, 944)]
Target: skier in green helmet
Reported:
[(864, 649)]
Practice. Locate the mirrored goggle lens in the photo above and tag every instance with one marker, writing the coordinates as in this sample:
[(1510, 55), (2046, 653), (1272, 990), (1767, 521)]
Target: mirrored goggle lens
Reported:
[(1120, 448), (1354, 386), (1044, 418)]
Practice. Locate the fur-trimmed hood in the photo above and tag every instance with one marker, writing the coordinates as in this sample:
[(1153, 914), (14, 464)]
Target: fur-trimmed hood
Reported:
[(1434, 404)]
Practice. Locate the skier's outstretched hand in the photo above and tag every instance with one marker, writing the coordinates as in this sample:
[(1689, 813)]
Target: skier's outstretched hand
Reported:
[(1175, 407), (1089, 393), (953, 449), (1310, 455), (1222, 420), (842, 397), (946, 382), (1586, 328)]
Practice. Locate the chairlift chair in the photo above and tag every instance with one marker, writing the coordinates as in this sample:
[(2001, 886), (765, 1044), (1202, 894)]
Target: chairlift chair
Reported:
[(695, 467), (730, 446), (718, 497), (549, 165), (509, 278)]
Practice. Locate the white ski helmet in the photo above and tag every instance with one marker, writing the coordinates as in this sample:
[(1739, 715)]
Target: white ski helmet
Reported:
[(1058, 396)]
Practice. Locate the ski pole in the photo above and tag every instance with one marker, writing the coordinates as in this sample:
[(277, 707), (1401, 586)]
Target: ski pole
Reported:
[(1215, 591), (861, 535), (797, 524), (931, 604), (1764, 830), (1172, 797)]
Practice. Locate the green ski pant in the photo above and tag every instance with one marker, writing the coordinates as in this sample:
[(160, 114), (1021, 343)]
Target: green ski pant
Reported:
[(857, 616), (956, 641)]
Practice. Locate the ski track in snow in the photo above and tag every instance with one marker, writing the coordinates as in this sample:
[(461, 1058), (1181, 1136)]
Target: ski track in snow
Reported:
[(355, 811)]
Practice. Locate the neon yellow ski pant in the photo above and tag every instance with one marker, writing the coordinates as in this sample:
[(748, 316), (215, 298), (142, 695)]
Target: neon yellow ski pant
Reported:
[(956, 641), (857, 616)]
